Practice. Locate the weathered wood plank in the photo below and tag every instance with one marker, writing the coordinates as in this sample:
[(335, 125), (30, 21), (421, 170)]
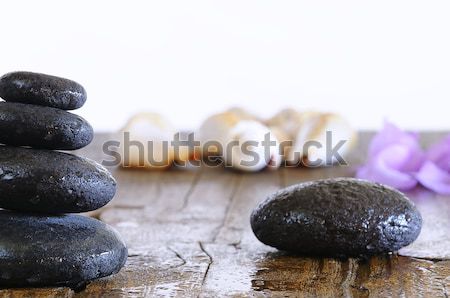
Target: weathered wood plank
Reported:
[(242, 266), (173, 226), (38, 293), (434, 239), (189, 235), (235, 248)]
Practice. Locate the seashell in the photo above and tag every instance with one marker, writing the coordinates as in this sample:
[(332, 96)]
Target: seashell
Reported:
[(243, 114), (238, 125), (284, 139), (287, 123), (292, 129), (215, 129), (154, 134), (186, 154), (290, 120), (314, 129), (252, 133)]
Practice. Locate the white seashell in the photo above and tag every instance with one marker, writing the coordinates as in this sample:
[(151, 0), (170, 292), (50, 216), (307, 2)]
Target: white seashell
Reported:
[(243, 114), (184, 153), (284, 139), (307, 122), (287, 123), (238, 125), (216, 129), (313, 131), (218, 125), (250, 154), (289, 120), (154, 133)]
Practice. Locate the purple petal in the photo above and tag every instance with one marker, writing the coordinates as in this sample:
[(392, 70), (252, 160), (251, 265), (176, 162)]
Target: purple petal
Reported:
[(440, 154), (389, 135), (387, 168), (415, 159), (434, 178)]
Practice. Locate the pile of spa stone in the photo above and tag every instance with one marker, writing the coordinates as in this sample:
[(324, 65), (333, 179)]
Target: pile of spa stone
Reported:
[(39, 244)]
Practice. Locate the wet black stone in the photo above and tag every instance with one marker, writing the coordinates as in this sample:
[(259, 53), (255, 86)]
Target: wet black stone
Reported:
[(337, 217), (52, 182), (66, 250), (42, 89), (42, 127)]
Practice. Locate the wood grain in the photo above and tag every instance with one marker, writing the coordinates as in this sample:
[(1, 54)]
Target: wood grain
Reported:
[(188, 235)]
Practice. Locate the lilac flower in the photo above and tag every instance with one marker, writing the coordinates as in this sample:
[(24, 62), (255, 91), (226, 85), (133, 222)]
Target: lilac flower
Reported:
[(435, 172), (394, 158)]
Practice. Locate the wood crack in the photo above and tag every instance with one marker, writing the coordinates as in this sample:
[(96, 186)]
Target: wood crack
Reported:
[(209, 263), (191, 190), (179, 256), (232, 196)]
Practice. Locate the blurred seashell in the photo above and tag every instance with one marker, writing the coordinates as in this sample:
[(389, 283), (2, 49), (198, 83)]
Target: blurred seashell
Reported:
[(293, 131), (290, 124), (184, 153), (311, 144), (307, 122), (250, 154), (287, 120), (284, 139), (149, 142), (215, 129), (243, 114)]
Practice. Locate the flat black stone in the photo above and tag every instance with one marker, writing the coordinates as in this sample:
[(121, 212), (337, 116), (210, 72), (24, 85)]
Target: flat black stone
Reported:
[(42, 89), (52, 182), (42, 127), (337, 217), (65, 250)]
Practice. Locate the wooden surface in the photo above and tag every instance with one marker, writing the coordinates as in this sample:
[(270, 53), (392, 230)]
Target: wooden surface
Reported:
[(188, 235)]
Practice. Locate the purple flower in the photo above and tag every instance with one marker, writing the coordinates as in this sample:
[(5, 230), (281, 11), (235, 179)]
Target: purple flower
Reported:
[(394, 158), (435, 172)]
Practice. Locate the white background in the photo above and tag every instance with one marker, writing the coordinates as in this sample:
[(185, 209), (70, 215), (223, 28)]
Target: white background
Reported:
[(187, 59)]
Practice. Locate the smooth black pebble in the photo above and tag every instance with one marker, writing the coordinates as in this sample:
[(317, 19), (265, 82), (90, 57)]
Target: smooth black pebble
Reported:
[(43, 127), (337, 217), (52, 182), (66, 250), (42, 89)]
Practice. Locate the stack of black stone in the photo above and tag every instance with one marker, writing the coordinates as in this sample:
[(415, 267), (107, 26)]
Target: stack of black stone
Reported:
[(39, 244)]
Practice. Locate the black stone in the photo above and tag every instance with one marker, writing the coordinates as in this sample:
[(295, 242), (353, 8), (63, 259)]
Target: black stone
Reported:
[(52, 182), (42, 127), (42, 89), (66, 250), (337, 217)]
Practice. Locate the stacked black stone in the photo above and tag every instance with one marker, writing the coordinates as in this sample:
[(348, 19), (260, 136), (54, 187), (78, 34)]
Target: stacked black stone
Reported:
[(39, 244)]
